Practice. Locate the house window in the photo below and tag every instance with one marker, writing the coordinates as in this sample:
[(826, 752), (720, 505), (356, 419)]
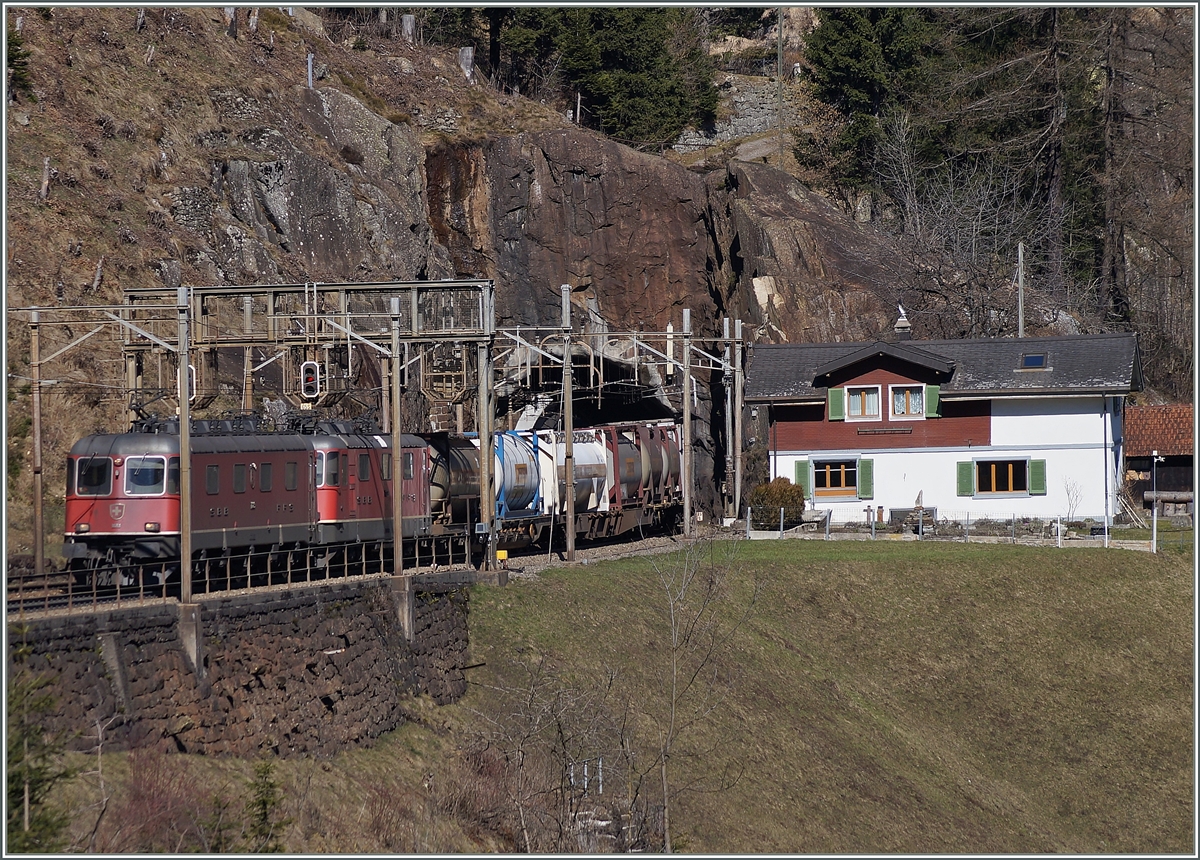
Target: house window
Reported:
[(908, 401), (862, 403), (835, 478), (1001, 476), (983, 477)]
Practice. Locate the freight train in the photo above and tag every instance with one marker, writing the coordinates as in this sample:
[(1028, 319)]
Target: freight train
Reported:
[(317, 499)]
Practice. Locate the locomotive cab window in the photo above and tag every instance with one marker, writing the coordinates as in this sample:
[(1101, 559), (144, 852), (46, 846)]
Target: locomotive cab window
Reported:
[(239, 477), (291, 474), (173, 476), (212, 479), (408, 466), (327, 468), (94, 477), (264, 477), (145, 476), (364, 467), (385, 465)]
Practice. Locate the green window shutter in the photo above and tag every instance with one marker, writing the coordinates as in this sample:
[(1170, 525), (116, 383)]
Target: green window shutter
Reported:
[(837, 404), (802, 479), (866, 479), (933, 406), (966, 478), (1037, 477)]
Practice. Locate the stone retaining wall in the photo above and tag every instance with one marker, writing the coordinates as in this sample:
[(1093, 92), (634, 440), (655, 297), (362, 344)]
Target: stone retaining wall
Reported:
[(299, 670)]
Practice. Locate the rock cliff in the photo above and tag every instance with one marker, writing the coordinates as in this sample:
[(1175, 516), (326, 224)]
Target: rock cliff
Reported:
[(177, 154)]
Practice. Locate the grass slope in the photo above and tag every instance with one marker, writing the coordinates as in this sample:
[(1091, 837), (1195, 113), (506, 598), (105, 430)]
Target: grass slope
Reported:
[(881, 697), (902, 697)]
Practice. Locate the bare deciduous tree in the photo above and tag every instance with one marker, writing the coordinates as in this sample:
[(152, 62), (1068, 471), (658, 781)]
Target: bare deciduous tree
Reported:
[(700, 623)]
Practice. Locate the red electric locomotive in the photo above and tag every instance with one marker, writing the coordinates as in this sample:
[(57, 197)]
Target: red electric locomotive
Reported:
[(261, 502)]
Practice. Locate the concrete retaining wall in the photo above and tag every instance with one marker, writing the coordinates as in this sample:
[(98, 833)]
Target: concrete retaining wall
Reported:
[(298, 670)]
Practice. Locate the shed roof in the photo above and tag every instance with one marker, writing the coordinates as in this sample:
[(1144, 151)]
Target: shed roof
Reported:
[(1166, 429), (1071, 364)]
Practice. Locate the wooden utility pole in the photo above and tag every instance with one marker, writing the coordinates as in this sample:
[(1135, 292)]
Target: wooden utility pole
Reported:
[(35, 365), (247, 355), (738, 396), (397, 449), (727, 384), (686, 402), (487, 492), (185, 451), (568, 422)]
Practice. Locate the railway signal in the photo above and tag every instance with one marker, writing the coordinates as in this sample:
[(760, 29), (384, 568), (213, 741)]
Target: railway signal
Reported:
[(310, 379)]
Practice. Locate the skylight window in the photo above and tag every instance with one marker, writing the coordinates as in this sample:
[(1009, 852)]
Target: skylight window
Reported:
[(1033, 361)]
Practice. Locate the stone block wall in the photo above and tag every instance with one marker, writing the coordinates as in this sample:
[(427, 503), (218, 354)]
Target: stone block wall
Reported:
[(300, 671)]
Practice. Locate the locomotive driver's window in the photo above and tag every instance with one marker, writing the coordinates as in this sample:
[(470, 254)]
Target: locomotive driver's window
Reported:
[(95, 477), (173, 476), (145, 476), (331, 469), (408, 466)]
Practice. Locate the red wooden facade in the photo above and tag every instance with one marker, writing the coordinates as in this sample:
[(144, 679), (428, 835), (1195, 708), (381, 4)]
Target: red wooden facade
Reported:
[(806, 427)]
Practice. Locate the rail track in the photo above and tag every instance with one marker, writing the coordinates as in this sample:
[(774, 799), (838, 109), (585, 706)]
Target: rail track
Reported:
[(57, 590)]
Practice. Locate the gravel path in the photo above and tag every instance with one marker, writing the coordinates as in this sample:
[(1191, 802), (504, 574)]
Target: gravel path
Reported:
[(527, 565)]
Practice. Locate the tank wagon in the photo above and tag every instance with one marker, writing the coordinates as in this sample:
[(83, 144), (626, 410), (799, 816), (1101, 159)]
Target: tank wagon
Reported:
[(321, 501)]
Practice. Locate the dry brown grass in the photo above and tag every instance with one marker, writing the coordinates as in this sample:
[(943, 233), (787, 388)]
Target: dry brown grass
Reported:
[(122, 135)]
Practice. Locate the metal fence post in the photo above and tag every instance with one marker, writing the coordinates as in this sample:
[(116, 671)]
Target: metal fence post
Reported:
[(1059, 525), (828, 517), (749, 517), (920, 525), (1014, 528), (872, 519), (967, 529), (781, 522)]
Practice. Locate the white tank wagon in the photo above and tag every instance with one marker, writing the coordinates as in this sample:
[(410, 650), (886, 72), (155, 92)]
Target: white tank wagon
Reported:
[(591, 473)]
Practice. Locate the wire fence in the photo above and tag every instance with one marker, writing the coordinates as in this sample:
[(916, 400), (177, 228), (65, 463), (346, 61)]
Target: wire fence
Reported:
[(923, 523)]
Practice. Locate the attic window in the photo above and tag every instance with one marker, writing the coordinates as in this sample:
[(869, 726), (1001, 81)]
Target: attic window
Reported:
[(1033, 361)]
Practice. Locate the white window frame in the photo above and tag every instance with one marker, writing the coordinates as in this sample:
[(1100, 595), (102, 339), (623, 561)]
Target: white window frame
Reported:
[(130, 470), (849, 391), (892, 389)]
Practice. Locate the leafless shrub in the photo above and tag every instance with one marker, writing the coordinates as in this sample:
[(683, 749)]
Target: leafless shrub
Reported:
[(108, 125)]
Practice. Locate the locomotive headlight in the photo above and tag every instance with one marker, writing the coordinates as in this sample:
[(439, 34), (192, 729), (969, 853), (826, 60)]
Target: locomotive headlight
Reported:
[(151, 527), (81, 528)]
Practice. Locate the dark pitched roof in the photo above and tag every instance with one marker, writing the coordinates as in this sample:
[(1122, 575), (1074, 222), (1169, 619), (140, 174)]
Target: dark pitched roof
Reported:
[(899, 351), (1073, 364), (1166, 429)]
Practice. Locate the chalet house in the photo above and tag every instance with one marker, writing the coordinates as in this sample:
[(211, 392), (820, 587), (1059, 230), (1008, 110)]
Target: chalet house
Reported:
[(991, 427), (1168, 431)]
